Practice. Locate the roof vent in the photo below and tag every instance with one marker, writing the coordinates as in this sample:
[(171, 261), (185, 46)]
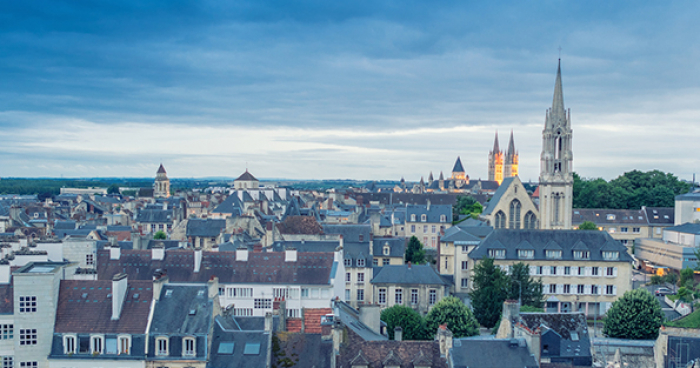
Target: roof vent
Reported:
[(513, 343), (136, 296), (193, 312)]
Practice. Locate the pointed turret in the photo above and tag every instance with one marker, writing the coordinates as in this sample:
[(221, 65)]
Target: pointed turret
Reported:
[(558, 101), (495, 144), (458, 168), (430, 178), (161, 170), (442, 177), (511, 145)]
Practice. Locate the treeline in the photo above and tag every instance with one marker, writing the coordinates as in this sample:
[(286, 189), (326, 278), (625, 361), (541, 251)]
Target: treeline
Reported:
[(49, 187), (631, 190)]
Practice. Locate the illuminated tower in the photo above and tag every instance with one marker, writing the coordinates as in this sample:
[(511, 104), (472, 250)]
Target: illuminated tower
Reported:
[(511, 160), (496, 162)]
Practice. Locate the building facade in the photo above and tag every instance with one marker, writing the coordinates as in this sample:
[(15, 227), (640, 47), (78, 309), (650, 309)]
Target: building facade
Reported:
[(161, 186)]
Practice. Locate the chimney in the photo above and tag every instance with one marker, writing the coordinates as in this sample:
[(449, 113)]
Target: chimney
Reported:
[(268, 321), (114, 252), (136, 239), (444, 338), (119, 290), (158, 252), (428, 204), (369, 315), (290, 255), (242, 254), (197, 259), (409, 265), (5, 272), (283, 315), (213, 287), (215, 248), (159, 279), (398, 333)]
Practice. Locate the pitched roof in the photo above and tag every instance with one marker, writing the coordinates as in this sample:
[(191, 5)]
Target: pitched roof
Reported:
[(568, 240), (154, 216), (85, 306), (205, 227), (471, 353), (310, 268), (500, 192), (603, 216), (246, 176), (687, 228), (182, 310), (405, 274), (352, 233), (660, 215), (228, 348), (458, 166), (161, 170), (433, 214), (397, 247)]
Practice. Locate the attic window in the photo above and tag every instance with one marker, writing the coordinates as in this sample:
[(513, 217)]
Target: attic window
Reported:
[(574, 336), (361, 262), (251, 348), (423, 218), (169, 292), (226, 348), (610, 217), (200, 293), (136, 296), (386, 250), (192, 312)]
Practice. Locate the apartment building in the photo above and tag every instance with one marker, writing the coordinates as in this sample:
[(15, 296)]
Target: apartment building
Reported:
[(425, 222)]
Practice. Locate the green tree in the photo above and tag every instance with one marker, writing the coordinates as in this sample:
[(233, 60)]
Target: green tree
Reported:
[(455, 314), (656, 280), (671, 278), (113, 189), (588, 225), (415, 252), (466, 205), (160, 235), (687, 278), (636, 315), (491, 287), (697, 256), (412, 324), (531, 293)]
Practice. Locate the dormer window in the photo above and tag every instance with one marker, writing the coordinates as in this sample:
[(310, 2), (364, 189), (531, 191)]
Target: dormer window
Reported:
[(611, 256), (348, 262), (413, 218), (188, 346), (553, 254), (124, 344), (581, 254), (386, 250), (69, 344), (161, 346), (423, 218), (526, 253), (443, 218), (96, 344), (361, 262), (497, 253), (610, 217)]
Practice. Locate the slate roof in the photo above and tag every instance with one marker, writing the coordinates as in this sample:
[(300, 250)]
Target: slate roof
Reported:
[(155, 216), (315, 351), (433, 214), (405, 274), (565, 325), (207, 227), (167, 244), (161, 170), (382, 353), (459, 236), (688, 197), (458, 166), (397, 247), (356, 251), (306, 246), (173, 313), (352, 233), (494, 353), (246, 176), (220, 357), (230, 205), (603, 217), (594, 241), (85, 306), (687, 228), (350, 317), (660, 215), (7, 298), (67, 225), (310, 268), (498, 195)]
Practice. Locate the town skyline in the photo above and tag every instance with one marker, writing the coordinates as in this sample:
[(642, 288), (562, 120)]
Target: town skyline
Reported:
[(374, 92)]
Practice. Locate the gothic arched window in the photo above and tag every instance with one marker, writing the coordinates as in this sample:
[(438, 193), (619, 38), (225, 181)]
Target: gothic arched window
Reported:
[(499, 220), (514, 218), (530, 221)]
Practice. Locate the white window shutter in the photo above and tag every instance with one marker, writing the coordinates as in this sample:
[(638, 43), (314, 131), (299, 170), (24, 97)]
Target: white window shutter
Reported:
[(600, 289), (587, 289), (560, 289), (588, 271), (615, 271), (614, 290), (533, 270)]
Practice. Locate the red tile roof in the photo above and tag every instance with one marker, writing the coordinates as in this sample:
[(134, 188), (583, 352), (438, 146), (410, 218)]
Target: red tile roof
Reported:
[(312, 319), (85, 306)]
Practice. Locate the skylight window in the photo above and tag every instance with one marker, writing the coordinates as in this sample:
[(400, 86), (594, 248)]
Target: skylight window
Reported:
[(252, 348), (169, 292), (574, 336), (226, 347)]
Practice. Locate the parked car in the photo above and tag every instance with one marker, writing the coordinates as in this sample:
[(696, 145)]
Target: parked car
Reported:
[(663, 291)]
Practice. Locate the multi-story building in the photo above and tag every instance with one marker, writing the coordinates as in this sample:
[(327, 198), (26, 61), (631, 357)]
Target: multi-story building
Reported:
[(511, 207), (687, 208), (454, 250), (581, 271), (415, 286), (425, 222), (388, 251), (675, 250)]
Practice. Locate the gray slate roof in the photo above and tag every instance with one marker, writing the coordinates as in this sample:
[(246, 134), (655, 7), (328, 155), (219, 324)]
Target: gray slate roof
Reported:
[(397, 247), (231, 205), (660, 215), (405, 274), (602, 216), (221, 358), (208, 227), (459, 236), (352, 233), (568, 240), (493, 353), (433, 213), (498, 195), (173, 312), (687, 228), (155, 216)]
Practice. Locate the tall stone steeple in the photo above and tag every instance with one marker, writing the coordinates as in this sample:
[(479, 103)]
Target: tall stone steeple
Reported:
[(161, 186), (496, 162), (511, 159), (556, 164)]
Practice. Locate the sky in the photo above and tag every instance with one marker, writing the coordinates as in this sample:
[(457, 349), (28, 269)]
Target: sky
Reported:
[(342, 90)]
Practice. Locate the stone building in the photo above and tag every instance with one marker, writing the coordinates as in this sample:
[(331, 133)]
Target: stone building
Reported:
[(556, 164), (415, 286), (426, 222), (511, 207), (161, 186)]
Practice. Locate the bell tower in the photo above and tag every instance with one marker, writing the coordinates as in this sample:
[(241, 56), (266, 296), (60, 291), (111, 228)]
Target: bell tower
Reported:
[(556, 164), (161, 186)]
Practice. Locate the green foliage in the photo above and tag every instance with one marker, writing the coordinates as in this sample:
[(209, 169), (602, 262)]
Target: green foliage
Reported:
[(690, 321), (671, 278), (131, 193), (455, 314), (531, 294), (588, 225), (491, 287), (633, 189), (636, 315), (685, 295), (415, 252), (687, 277), (529, 309), (466, 205), (113, 189), (412, 324), (160, 235), (697, 256), (656, 280)]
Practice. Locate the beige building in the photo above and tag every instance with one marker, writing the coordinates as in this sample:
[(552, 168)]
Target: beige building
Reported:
[(675, 250), (455, 246), (581, 271), (415, 286), (161, 186), (425, 222), (246, 181), (511, 207)]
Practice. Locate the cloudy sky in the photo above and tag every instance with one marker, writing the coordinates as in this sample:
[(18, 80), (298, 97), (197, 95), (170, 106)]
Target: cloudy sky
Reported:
[(330, 89)]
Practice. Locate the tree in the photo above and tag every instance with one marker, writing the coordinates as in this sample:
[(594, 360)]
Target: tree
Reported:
[(671, 278), (415, 252), (687, 278), (455, 314), (113, 189), (466, 205), (636, 315), (160, 235), (588, 225), (656, 280), (412, 324), (490, 291), (531, 292)]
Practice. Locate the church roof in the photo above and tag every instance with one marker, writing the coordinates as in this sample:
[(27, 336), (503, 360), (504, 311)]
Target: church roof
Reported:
[(441, 176), (246, 176), (161, 169), (430, 177), (558, 113), (458, 166)]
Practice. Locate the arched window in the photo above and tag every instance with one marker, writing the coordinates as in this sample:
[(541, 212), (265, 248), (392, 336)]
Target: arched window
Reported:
[(423, 218), (413, 218), (530, 221), (514, 218), (499, 220), (387, 250), (189, 346)]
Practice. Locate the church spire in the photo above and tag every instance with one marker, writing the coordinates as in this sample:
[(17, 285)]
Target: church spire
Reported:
[(511, 145), (495, 144), (558, 101)]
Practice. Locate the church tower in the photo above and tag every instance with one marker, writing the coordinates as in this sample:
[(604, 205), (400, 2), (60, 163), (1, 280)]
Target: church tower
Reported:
[(511, 160), (556, 164), (161, 187), (496, 163)]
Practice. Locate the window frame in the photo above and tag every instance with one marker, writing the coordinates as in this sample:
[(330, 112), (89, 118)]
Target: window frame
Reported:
[(68, 340), (185, 351), (398, 296), (381, 297), (28, 336), (97, 348), (121, 338), (160, 342), (27, 305)]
